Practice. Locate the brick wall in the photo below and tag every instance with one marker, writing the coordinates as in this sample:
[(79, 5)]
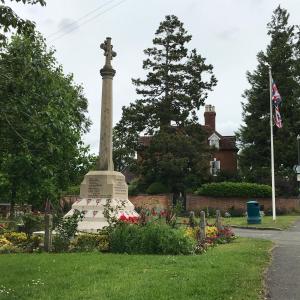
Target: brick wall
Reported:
[(194, 202), (228, 160), (150, 201)]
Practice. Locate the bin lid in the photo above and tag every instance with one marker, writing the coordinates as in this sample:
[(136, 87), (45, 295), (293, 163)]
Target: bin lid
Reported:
[(252, 201)]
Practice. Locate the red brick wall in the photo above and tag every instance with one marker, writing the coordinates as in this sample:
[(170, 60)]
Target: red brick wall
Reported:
[(150, 201), (194, 202), (228, 160)]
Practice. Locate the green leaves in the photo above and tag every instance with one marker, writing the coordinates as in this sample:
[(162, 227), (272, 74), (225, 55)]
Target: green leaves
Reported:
[(172, 92), (43, 115), (10, 20), (283, 55)]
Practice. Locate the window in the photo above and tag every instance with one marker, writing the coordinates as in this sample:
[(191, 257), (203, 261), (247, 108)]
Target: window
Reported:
[(214, 140), (215, 167)]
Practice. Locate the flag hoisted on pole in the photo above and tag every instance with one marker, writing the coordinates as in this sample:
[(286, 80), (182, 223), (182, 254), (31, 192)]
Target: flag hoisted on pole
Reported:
[(275, 100)]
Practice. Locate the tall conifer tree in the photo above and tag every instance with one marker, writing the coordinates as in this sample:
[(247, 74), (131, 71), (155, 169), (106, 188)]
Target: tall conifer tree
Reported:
[(176, 85), (254, 135)]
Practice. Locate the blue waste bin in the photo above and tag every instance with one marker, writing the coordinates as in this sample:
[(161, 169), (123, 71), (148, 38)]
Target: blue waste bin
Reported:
[(253, 212)]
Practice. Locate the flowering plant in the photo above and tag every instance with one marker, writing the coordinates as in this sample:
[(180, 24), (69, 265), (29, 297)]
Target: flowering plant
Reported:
[(129, 219)]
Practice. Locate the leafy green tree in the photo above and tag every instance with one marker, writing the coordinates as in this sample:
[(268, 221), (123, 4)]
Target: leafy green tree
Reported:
[(176, 85), (10, 20), (42, 119), (254, 135), (177, 158)]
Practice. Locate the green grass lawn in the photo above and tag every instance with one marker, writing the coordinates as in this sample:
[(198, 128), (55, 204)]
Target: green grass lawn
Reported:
[(282, 222), (231, 271)]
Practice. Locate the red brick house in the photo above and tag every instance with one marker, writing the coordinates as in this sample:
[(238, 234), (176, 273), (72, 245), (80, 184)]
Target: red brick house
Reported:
[(224, 156)]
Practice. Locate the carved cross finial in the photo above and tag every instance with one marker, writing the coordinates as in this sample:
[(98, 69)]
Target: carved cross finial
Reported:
[(108, 52)]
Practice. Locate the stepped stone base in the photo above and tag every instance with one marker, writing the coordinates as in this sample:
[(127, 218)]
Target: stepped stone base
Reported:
[(95, 190)]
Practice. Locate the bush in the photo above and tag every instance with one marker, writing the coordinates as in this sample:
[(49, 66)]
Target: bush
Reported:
[(16, 238), (19, 242), (90, 242), (150, 239), (133, 188), (66, 230), (235, 189), (60, 244), (157, 188), (7, 249), (32, 223), (236, 212)]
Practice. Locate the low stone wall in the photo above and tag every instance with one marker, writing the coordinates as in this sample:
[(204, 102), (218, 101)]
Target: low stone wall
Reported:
[(150, 201), (195, 203)]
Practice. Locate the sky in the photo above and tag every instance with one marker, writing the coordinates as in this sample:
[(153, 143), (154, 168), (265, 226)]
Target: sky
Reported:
[(228, 33)]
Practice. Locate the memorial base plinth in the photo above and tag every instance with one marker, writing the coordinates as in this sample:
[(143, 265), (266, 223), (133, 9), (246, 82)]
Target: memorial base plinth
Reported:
[(97, 189)]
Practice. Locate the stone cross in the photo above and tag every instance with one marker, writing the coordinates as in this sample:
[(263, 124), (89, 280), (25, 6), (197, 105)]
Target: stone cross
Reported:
[(107, 73), (108, 52)]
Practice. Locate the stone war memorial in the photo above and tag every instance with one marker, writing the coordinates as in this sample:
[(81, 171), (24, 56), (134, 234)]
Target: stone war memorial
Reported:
[(103, 185)]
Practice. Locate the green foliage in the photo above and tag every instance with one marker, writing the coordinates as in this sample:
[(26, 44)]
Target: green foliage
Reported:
[(66, 230), (90, 242), (32, 223), (176, 157), (150, 239), (236, 212), (42, 119), (157, 188), (134, 188), (10, 20), (176, 85), (235, 189), (13, 242), (283, 55)]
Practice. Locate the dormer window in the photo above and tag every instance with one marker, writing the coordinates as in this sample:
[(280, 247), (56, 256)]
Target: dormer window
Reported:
[(214, 141)]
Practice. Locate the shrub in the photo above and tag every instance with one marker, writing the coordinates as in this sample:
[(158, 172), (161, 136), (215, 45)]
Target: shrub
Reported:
[(133, 189), (4, 241), (236, 212), (32, 223), (150, 239), (16, 238), (60, 244), (90, 242), (66, 230), (235, 189), (157, 188), (8, 248), (19, 241)]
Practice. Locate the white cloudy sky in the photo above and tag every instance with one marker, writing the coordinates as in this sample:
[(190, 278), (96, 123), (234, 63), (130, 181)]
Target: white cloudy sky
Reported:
[(229, 33)]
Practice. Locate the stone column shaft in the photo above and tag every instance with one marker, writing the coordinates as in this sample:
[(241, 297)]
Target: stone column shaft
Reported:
[(105, 149)]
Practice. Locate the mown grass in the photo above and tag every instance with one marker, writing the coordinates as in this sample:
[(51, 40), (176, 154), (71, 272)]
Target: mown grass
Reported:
[(231, 271), (282, 222)]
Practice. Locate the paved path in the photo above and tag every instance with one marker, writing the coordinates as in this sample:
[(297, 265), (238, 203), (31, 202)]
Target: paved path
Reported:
[(283, 277)]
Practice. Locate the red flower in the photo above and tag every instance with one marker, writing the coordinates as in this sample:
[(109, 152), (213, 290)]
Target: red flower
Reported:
[(123, 218)]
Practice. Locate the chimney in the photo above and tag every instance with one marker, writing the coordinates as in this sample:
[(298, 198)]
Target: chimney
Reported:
[(210, 117)]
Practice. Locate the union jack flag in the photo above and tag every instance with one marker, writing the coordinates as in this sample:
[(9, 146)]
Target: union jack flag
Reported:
[(276, 98)]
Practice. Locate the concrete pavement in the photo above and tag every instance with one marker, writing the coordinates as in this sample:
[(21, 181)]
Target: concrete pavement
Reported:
[(283, 276)]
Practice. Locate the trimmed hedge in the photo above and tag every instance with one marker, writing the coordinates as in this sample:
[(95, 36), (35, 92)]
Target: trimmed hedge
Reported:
[(235, 189), (150, 239), (157, 188)]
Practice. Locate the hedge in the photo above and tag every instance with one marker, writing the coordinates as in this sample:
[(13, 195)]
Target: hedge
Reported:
[(157, 188), (235, 189), (150, 239)]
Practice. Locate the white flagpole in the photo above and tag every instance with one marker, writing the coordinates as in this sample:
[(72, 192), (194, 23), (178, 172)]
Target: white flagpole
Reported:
[(272, 147)]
